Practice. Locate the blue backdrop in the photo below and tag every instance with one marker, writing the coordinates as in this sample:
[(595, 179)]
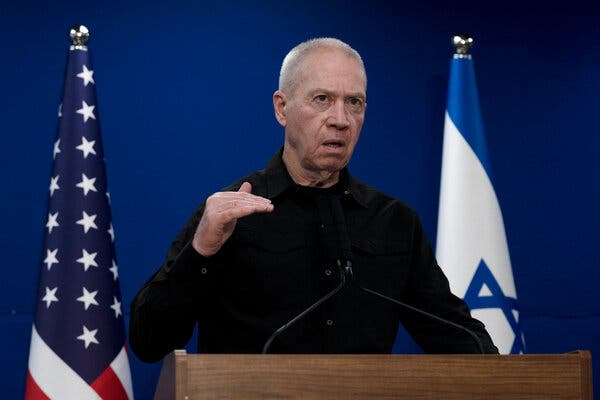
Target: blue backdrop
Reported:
[(184, 93)]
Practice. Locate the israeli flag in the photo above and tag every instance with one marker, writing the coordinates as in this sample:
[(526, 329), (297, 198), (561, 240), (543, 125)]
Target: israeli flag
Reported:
[(471, 241)]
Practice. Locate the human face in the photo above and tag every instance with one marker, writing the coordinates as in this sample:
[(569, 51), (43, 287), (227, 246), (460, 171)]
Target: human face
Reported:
[(323, 116)]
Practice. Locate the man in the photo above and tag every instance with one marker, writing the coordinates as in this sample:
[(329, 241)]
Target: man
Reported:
[(259, 253)]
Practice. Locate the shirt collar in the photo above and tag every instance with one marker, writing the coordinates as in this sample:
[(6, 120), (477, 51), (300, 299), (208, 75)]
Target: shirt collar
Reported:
[(278, 181)]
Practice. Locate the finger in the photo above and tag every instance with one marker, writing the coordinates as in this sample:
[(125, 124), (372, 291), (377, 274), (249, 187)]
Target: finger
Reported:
[(246, 187), (239, 212), (237, 203), (238, 194), (220, 196)]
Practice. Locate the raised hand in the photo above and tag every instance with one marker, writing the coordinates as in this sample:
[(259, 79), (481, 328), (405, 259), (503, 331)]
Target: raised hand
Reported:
[(221, 213)]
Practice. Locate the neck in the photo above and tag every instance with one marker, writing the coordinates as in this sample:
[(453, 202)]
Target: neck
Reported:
[(304, 177)]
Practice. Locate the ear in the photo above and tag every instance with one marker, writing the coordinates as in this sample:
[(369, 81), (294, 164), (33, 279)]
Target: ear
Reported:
[(279, 103)]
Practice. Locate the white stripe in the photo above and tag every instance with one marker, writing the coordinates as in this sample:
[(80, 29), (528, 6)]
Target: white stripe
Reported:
[(56, 379), (120, 366), (470, 224), (471, 228)]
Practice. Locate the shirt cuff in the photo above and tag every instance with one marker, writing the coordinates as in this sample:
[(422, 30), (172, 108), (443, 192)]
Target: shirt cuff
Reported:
[(189, 276)]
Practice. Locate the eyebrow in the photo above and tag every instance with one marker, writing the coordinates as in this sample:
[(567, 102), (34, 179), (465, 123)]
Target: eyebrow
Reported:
[(360, 95)]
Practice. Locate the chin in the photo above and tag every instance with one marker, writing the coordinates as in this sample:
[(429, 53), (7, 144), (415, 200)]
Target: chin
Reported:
[(332, 166)]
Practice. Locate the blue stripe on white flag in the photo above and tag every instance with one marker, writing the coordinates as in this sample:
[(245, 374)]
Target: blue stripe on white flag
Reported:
[(463, 108)]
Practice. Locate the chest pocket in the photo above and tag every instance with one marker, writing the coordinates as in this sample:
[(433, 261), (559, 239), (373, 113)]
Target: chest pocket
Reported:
[(265, 266), (268, 241), (381, 265)]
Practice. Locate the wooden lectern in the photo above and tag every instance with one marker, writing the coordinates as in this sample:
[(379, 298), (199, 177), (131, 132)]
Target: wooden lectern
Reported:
[(212, 376)]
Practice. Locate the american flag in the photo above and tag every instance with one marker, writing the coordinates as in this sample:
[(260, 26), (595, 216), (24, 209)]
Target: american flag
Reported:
[(77, 346)]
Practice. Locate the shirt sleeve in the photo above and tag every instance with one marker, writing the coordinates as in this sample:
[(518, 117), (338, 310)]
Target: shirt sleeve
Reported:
[(164, 312), (429, 290)]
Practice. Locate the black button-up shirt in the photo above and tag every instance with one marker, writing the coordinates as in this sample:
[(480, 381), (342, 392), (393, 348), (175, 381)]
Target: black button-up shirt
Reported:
[(277, 264)]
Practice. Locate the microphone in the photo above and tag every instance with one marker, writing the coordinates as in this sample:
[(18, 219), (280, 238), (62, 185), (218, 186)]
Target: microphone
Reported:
[(332, 215), (427, 314), (345, 246), (306, 311)]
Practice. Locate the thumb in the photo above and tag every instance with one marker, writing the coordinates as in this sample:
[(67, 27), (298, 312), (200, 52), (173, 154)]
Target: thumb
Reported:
[(246, 187)]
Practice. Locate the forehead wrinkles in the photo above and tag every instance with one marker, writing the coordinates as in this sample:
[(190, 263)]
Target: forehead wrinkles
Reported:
[(324, 67)]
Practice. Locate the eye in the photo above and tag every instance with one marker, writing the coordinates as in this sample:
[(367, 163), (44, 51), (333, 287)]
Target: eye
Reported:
[(321, 102), (355, 104)]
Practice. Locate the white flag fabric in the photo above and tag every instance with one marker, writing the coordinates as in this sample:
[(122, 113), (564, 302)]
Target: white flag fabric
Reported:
[(471, 241)]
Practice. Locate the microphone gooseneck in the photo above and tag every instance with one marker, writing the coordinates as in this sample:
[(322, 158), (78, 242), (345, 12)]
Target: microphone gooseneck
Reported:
[(332, 213), (346, 248), (306, 311), (427, 314)]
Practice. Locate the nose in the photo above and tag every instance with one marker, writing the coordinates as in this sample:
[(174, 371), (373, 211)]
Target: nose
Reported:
[(338, 118)]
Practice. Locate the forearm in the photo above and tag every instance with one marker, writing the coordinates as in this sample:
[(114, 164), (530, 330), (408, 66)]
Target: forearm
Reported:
[(156, 327), (165, 310)]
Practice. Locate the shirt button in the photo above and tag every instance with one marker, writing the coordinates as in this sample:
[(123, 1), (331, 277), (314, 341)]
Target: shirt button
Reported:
[(346, 192), (203, 271), (327, 272), (329, 322)]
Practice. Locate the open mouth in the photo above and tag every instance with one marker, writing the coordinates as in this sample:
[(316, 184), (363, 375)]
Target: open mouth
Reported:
[(334, 143)]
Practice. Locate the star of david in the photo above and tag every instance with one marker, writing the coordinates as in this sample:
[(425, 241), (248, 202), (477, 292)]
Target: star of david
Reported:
[(484, 277)]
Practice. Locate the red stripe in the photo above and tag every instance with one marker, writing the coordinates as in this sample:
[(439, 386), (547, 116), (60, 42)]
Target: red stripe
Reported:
[(33, 391), (109, 386)]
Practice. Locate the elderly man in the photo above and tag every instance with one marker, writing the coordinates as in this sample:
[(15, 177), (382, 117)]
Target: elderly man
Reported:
[(267, 247)]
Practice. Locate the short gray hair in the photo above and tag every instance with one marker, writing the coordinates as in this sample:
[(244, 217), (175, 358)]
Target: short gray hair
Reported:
[(288, 75)]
